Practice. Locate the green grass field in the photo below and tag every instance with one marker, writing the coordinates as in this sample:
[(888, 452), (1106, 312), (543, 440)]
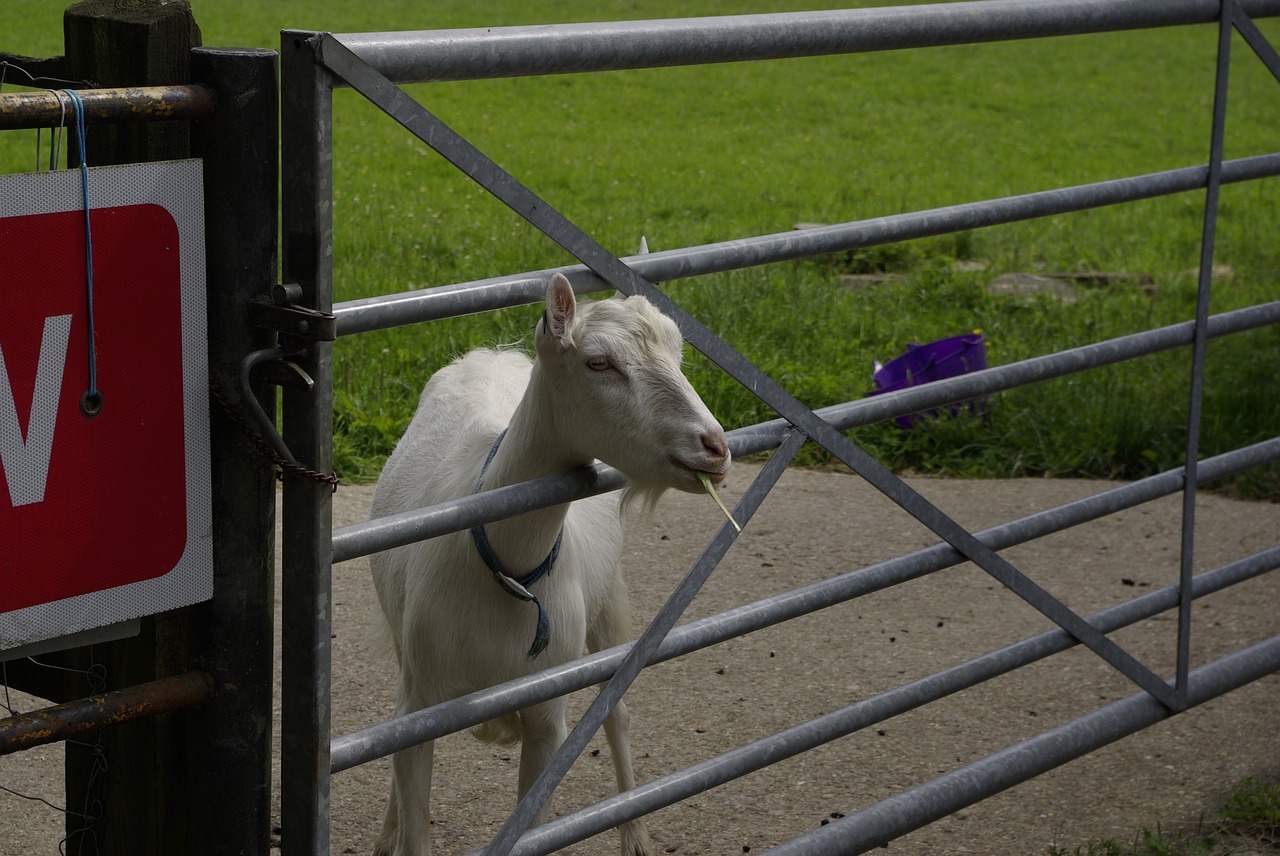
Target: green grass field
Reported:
[(692, 155)]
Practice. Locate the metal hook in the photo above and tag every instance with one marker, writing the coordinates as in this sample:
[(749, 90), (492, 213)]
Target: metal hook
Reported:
[(284, 372)]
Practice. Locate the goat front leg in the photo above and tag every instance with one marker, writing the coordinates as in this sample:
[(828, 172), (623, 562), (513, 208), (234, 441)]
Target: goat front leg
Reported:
[(543, 731), (617, 730), (406, 826), (613, 627)]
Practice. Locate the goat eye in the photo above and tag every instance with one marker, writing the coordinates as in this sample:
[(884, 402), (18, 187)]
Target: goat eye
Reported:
[(598, 364)]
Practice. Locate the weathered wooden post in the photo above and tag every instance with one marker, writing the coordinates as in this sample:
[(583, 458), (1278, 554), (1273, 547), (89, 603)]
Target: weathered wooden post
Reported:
[(232, 636), (132, 43)]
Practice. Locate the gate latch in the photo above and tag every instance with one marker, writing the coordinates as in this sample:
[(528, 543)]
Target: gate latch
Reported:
[(291, 321)]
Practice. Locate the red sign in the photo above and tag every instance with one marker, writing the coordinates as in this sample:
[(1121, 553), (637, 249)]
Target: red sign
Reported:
[(103, 514)]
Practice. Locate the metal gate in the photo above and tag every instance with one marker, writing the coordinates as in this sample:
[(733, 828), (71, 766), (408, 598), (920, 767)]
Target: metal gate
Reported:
[(313, 64)]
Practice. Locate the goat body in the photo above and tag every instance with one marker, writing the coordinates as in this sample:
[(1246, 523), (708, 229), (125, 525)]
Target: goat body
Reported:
[(607, 385)]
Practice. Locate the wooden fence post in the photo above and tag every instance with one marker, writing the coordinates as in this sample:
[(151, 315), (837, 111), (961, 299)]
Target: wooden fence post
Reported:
[(132, 43), (232, 637)]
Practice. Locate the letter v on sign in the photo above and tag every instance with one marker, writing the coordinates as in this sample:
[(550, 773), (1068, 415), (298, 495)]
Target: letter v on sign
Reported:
[(26, 459)]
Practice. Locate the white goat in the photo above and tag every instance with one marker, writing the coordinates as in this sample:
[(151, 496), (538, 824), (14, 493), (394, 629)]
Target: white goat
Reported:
[(606, 384)]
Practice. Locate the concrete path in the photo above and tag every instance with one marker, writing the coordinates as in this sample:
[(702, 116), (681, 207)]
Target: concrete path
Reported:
[(815, 525)]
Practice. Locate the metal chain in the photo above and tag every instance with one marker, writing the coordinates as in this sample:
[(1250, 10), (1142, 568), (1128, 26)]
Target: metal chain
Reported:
[(251, 433)]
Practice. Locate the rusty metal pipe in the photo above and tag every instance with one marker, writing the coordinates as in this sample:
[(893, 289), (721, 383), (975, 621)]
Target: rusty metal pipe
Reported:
[(49, 109), (87, 715)]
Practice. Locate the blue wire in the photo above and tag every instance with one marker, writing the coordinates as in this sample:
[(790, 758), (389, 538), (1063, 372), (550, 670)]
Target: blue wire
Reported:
[(92, 395)]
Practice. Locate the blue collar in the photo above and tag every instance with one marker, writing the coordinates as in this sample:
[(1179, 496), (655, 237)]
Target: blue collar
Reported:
[(517, 588)]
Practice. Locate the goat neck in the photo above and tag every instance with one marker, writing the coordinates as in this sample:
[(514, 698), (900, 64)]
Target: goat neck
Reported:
[(531, 448)]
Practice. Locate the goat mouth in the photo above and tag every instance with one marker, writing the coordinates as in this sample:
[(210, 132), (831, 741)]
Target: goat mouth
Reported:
[(716, 476)]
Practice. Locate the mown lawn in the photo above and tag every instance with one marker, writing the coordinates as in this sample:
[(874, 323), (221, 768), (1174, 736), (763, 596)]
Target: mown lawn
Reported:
[(692, 155)]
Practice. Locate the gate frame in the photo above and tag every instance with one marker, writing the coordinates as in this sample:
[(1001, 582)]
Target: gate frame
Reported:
[(374, 63)]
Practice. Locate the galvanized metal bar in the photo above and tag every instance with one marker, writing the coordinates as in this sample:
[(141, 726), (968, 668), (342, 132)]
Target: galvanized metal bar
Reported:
[(46, 108), (1199, 346), (713, 772), (307, 194), (88, 715), (860, 831), (393, 310), (396, 530), (385, 738), (1254, 38), (642, 651), (474, 54), (362, 539)]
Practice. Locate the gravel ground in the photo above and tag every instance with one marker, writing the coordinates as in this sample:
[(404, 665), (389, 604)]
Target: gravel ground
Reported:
[(817, 524)]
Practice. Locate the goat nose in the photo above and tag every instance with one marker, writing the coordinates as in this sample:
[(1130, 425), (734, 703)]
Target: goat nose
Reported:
[(715, 443)]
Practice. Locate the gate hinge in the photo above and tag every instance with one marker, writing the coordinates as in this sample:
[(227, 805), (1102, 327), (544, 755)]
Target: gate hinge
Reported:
[(290, 320)]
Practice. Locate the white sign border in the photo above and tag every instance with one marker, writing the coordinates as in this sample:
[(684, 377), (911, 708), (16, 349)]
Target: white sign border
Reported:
[(177, 187)]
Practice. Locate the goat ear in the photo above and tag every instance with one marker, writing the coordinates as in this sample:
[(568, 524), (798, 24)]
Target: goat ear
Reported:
[(557, 318)]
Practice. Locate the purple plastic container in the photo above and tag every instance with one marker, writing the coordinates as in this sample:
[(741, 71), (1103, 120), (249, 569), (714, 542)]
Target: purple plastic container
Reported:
[(924, 363)]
